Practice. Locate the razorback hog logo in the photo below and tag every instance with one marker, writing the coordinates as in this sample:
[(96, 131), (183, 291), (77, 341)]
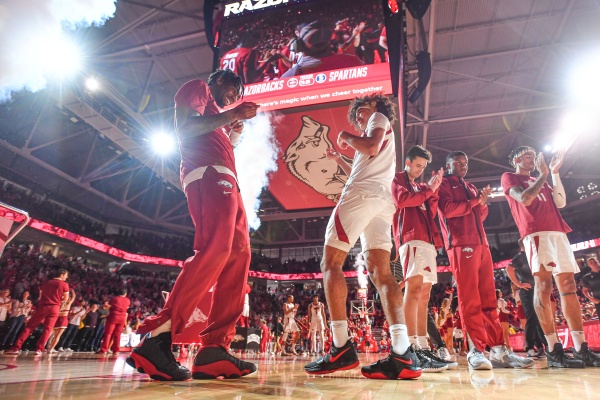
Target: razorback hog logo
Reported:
[(197, 316), (305, 158)]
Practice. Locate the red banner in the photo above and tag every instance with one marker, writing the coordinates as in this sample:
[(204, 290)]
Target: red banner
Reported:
[(591, 330), (305, 178), (323, 87)]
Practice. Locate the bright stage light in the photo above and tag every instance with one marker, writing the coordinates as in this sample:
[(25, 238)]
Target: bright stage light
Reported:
[(585, 81), (163, 144), (60, 56), (92, 84), (548, 147)]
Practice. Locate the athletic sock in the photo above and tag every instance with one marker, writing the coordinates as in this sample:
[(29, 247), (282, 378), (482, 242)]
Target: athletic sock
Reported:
[(400, 340), (339, 330), (413, 341), (578, 339), (166, 327), (423, 343), (552, 339)]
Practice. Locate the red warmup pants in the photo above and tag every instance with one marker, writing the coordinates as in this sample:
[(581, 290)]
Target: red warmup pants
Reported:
[(112, 330), (473, 271), (46, 315), (221, 259)]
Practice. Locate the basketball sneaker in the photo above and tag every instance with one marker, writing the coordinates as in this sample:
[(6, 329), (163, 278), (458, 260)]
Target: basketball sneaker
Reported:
[(154, 357), (477, 360), (394, 366), (213, 362), (590, 358), (431, 355), (531, 353), (428, 364), (557, 358), (445, 355), (338, 359), (501, 357), (12, 352), (541, 354)]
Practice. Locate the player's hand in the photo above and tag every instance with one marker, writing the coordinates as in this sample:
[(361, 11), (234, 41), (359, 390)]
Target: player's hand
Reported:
[(557, 161), (341, 140), (525, 285), (540, 165), (331, 154), (237, 126), (483, 194), (246, 110), (436, 179)]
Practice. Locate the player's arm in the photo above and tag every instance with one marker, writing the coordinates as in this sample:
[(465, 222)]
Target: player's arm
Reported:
[(512, 275), (526, 196), (587, 293), (369, 145), (558, 194), (331, 154), (383, 42), (451, 208), (323, 314), (189, 123)]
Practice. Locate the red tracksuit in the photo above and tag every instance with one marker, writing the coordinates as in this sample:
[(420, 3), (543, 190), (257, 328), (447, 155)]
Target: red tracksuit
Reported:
[(461, 220), (46, 313), (264, 338), (221, 242), (417, 206), (116, 320)]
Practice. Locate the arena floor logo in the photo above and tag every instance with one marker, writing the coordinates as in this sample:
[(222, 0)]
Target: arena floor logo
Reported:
[(4, 367)]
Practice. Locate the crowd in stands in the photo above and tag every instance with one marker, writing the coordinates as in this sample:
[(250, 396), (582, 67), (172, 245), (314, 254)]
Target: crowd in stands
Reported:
[(24, 268)]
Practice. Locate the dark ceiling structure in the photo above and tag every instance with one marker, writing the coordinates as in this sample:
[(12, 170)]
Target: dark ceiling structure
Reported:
[(498, 71)]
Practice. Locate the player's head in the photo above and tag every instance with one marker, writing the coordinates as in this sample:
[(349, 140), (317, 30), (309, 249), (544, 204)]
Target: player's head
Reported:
[(299, 29), (522, 157), (226, 87), (417, 159), (290, 298), (122, 292), (592, 262), (457, 163), (498, 293), (62, 274), (314, 39), (361, 109), (250, 40), (315, 298)]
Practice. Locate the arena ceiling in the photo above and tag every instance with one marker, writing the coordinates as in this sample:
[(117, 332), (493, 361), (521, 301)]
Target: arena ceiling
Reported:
[(498, 81)]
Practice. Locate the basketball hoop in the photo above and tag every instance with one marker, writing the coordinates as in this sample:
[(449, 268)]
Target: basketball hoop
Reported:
[(8, 215)]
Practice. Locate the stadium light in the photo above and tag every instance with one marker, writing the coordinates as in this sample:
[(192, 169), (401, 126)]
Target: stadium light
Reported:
[(584, 81), (59, 55), (163, 143), (92, 84)]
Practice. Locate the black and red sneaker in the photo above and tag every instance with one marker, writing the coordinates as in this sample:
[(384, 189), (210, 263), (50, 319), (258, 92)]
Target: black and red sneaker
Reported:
[(394, 366), (338, 359), (154, 357), (213, 362)]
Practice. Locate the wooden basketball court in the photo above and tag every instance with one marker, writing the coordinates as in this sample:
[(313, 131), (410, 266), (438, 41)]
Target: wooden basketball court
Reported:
[(85, 376)]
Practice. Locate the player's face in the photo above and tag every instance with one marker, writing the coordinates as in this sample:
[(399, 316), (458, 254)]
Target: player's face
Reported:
[(526, 161), (362, 116), (315, 300), (459, 166), (593, 264), (415, 168), (225, 95), (290, 299)]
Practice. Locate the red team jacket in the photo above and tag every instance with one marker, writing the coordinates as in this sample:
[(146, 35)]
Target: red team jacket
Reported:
[(417, 206), (461, 216)]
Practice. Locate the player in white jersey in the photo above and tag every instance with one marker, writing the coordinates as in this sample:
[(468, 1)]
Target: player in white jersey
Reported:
[(316, 312), (365, 209), (289, 324)]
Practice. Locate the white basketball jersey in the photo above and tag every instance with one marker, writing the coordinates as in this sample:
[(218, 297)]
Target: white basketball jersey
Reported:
[(374, 174)]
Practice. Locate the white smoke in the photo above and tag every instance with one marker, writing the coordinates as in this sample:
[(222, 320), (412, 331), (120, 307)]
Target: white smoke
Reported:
[(29, 31), (360, 265), (255, 157)]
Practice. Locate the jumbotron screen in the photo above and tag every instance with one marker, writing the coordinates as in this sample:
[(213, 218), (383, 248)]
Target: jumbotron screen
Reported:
[(293, 53)]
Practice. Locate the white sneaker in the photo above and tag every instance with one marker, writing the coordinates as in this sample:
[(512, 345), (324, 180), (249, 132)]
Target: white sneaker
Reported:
[(53, 351), (531, 353), (444, 354), (69, 350), (477, 360), (501, 357), (38, 352), (60, 349)]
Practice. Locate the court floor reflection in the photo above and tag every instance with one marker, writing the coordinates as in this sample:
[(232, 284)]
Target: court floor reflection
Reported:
[(83, 376)]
